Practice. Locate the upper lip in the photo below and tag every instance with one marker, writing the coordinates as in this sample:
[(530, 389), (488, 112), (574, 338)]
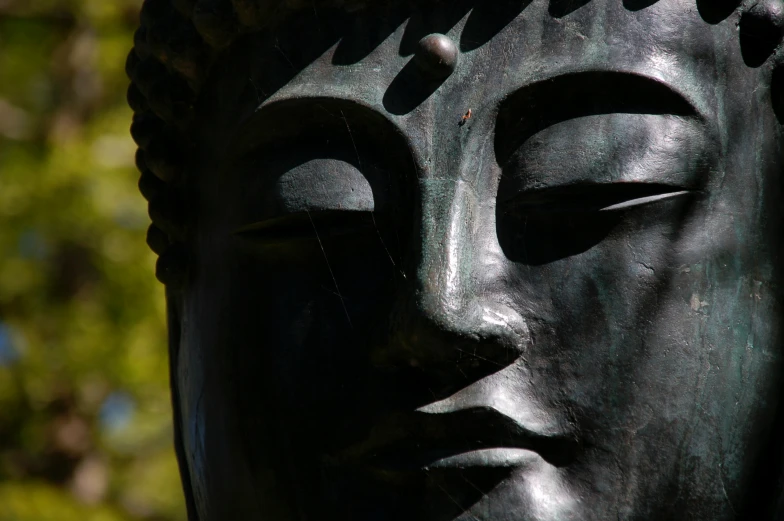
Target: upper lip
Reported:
[(412, 440)]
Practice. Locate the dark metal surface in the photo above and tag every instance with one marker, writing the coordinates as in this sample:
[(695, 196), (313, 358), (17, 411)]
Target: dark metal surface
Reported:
[(437, 55), (540, 283)]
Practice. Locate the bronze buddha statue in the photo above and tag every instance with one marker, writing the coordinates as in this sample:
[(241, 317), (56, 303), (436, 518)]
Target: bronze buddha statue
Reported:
[(469, 259)]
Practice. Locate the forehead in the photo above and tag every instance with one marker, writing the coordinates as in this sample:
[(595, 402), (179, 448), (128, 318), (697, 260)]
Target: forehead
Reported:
[(505, 44), (317, 56)]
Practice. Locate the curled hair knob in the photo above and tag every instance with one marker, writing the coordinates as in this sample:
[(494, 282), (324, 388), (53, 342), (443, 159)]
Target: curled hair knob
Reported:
[(145, 127), (163, 159), (151, 186), (132, 63), (249, 12), (215, 21), (136, 99), (157, 239)]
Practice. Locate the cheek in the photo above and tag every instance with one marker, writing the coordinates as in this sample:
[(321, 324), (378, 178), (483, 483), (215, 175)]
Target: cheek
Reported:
[(678, 350), (665, 351), (305, 315)]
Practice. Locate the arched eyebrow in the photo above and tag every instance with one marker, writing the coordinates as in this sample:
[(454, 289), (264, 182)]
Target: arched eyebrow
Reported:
[(539, 105), (289, 118)]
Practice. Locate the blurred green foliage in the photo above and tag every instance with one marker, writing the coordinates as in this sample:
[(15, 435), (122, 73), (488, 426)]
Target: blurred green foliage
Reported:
[(85, 430)]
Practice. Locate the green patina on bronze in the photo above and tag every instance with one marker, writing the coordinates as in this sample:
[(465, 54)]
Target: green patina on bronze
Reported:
[(469, 260)]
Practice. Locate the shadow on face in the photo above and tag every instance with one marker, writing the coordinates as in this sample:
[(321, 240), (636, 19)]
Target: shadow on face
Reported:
[(356, 276)]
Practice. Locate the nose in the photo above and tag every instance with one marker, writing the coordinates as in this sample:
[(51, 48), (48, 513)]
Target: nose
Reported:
[(448, 315)]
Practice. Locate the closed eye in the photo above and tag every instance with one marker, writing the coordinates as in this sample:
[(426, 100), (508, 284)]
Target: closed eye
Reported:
[(307, 226), (593, 197), (644, 200), (541, 227)]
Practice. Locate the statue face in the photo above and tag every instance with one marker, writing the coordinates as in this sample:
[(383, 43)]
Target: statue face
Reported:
[(565, 306)]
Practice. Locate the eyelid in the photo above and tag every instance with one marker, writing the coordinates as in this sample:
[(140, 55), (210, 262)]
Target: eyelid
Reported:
[(595, 197), (644, 200), (305, 225)]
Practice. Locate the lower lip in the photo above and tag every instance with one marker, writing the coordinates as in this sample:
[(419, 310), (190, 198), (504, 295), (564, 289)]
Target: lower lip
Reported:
[(488, 458), (500, 457)]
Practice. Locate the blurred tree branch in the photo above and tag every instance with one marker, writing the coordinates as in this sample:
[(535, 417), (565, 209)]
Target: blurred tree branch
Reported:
[(85, 427)]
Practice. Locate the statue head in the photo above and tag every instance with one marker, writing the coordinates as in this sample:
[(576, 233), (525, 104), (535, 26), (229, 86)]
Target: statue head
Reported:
[(468, 259)]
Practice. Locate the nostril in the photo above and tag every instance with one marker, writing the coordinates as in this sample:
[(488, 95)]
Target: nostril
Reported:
[(506, 324), (436, 352), (501, 335), (481, 335)]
